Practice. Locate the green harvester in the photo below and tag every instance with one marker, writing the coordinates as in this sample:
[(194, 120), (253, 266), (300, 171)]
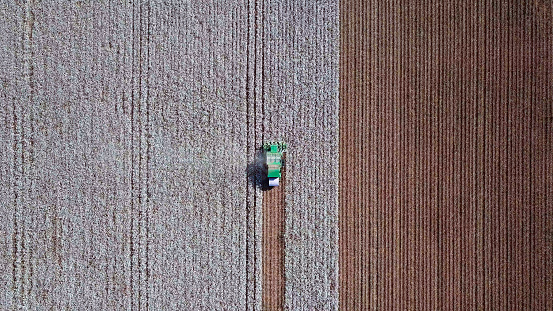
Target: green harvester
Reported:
[(273, 159)]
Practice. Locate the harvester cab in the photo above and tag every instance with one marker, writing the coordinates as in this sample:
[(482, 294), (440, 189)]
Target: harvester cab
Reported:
[(273, 159)]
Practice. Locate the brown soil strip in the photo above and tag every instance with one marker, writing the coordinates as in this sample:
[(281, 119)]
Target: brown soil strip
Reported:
[(446, 125), (273, 246)]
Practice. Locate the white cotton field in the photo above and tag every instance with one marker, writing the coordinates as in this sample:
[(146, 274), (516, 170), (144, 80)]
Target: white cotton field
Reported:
[(126, 133)]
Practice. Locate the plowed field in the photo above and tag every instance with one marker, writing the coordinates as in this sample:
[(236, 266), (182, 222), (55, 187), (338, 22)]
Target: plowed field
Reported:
[(446, 148)]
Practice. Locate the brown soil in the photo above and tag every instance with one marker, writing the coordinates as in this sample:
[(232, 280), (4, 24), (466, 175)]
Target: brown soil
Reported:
[(273, 247), (446, 155)]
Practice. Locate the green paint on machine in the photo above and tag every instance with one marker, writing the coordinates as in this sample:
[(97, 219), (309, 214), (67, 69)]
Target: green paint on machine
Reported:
[(273, 160)]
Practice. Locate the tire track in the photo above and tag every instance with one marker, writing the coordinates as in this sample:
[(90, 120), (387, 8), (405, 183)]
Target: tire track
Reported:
[(148, 157), (274, 203), (140, 158), (22, 158), (255, 133), (132, 184)]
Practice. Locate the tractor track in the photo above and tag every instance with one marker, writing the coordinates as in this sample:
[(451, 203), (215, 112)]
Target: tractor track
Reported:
[(273, 246)]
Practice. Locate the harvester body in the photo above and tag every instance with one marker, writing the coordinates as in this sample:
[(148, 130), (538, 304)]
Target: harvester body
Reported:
[(273, 160)]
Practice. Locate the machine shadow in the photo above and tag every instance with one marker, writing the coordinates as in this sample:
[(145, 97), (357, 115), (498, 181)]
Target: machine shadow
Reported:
[(257, 171)]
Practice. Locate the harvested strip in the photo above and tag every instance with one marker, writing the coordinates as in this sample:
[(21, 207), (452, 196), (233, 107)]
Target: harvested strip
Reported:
[(273, 246)]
